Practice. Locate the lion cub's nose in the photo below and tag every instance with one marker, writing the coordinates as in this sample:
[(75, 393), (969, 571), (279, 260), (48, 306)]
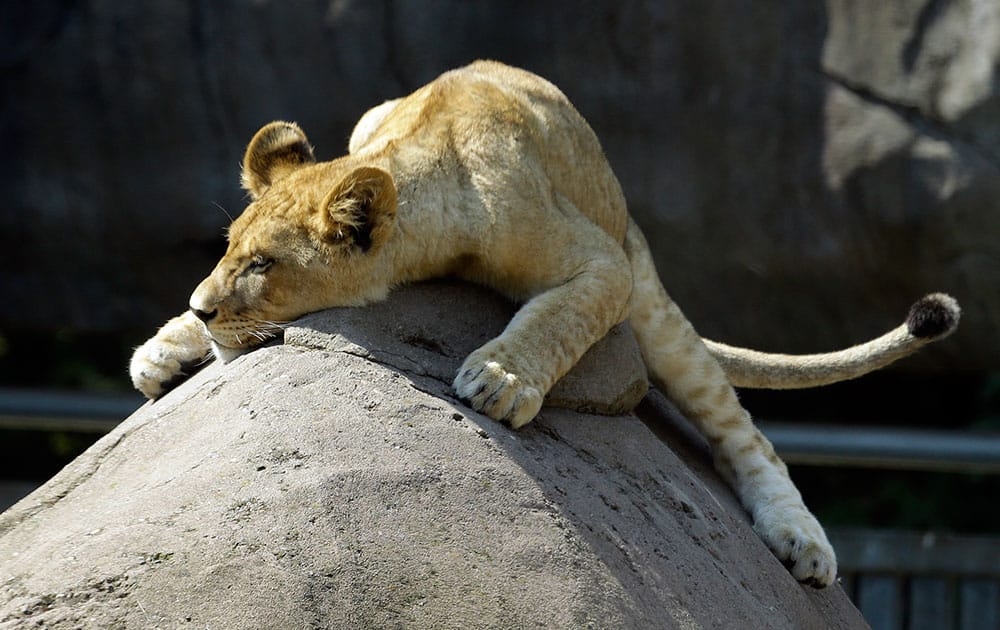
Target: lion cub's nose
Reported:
[(203, 315)]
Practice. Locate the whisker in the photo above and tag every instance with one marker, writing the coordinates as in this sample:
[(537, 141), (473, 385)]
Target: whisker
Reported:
[(258, 330), (224, 211), (274, 323), (270, 328)]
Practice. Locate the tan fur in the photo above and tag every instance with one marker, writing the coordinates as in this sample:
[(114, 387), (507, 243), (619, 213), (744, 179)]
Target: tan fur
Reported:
[(933, 317), (764, 370), (487, 173)]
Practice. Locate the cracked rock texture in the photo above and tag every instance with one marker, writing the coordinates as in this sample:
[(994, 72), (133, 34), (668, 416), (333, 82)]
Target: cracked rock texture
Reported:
[(333, 482), (818, 165)]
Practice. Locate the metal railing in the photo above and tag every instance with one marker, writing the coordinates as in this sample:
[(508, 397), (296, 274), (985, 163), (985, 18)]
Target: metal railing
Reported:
[(885, 448), (43, 410), (805, 444)]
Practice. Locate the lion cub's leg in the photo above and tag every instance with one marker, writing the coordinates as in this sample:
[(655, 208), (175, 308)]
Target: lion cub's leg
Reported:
[(745, 458), (159, 363), (508, 377), (690, 376), (368, 124)]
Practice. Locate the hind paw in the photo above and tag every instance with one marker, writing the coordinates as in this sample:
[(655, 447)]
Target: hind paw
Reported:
[(798, 540)]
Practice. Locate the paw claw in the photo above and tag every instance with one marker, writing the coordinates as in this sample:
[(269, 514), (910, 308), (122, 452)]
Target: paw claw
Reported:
[(497, 392), (156, 368), (799, 542)]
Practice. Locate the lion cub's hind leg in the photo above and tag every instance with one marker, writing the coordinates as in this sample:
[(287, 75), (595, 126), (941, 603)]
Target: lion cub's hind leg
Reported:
[(366, 127), (682, 366)]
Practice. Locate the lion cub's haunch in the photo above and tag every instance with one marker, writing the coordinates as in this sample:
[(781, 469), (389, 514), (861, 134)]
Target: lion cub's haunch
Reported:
[(489, 174)]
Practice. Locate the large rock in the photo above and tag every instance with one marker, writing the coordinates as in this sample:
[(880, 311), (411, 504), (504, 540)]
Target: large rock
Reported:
[(333, 482), (817, 171)]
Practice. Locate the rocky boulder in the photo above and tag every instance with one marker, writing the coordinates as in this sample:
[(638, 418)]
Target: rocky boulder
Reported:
[(333, 482)]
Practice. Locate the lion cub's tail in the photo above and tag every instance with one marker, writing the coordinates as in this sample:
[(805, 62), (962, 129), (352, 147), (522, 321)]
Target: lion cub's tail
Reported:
[(933, 317)]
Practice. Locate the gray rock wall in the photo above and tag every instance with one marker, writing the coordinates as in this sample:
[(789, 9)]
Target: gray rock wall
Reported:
[(803, 171)]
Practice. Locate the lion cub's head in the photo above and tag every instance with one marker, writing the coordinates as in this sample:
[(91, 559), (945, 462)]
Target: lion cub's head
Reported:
[(310, 239)]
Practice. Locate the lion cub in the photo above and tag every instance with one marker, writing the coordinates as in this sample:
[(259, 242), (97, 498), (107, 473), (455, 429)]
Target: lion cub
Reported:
[(488, 173)]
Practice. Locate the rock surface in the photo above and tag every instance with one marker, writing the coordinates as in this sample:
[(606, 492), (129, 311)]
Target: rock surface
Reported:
[(333, 482), (430, 335), (817, 172)]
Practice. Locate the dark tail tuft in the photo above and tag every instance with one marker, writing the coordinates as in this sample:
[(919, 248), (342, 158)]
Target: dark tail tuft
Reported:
[(933, 316)]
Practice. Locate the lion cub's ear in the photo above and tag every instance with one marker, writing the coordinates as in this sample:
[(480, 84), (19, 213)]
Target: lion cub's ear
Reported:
[(361, 209), (275, 151)]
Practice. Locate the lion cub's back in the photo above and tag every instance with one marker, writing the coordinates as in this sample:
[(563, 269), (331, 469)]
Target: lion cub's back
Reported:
[(568, 150), (500, 117)]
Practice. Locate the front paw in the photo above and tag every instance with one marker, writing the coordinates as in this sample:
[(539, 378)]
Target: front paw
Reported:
[(497, 392), (158, 366), (179, 347), (798, 540)]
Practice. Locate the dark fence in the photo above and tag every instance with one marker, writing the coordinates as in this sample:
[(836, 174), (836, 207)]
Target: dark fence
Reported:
[(910, 581)]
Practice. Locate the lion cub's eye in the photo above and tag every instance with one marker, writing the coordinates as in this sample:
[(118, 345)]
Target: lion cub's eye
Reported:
[(259, 264)]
